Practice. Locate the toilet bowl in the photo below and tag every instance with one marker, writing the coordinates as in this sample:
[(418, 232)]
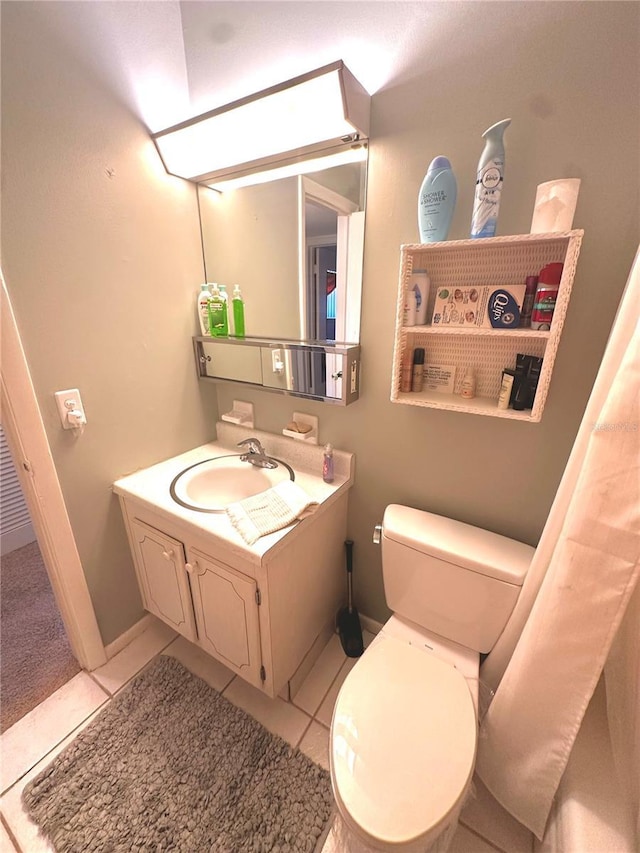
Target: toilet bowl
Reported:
[(404, 729), (403, 740)]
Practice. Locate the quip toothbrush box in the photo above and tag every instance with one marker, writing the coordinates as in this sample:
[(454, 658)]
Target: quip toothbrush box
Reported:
[(479, 307)]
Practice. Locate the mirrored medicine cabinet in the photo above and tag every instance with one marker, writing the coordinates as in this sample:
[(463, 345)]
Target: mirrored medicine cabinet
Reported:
[(295, 247), (326, 372)]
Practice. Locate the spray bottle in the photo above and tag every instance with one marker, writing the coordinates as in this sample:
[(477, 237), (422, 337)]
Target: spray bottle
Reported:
[(489, 182)]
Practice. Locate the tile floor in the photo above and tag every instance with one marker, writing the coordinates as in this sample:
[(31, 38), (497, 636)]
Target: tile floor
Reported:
[(34, 741)]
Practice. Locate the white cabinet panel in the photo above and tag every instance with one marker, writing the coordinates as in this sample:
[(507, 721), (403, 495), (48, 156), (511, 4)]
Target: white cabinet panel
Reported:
[(162, 576), (260, 620), (226, 614)]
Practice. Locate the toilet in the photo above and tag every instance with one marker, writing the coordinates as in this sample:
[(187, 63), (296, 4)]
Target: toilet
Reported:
[(404, 729)]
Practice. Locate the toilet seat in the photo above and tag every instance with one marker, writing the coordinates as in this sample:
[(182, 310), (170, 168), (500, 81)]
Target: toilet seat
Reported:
[(403, 744)]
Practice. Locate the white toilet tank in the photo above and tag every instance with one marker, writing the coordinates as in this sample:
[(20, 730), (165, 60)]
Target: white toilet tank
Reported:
[(456, 580)]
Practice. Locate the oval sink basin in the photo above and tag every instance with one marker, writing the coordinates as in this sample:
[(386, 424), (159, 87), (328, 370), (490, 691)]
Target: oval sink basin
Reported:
[(213, 484)]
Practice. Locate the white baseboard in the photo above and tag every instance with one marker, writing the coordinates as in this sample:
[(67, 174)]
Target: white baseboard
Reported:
[(124, 639), (11, 540), (369, 624)]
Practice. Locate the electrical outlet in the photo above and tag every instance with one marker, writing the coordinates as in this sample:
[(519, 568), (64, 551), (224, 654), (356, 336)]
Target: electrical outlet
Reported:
[(70, 408)]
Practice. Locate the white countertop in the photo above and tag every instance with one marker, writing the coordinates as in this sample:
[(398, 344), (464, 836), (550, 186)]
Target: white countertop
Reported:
[(150, 486)]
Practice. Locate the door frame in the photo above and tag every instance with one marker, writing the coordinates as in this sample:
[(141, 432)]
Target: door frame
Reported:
[(310, 191), (31, 453)]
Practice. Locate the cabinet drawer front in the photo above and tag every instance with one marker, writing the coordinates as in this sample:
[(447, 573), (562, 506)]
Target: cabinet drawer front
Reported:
[(226, 615), (162, 576)]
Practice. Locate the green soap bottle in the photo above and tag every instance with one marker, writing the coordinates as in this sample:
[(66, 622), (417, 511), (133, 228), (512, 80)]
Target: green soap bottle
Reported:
[(218, 322), (238, 312), (223, 293)]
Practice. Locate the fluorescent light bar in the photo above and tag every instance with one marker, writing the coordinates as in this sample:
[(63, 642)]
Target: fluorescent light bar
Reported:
[(302, 117), (349, 155)]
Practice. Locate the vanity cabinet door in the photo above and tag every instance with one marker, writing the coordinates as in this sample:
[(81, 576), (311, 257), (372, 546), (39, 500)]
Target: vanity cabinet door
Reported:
[(162, 575), (226, 608)]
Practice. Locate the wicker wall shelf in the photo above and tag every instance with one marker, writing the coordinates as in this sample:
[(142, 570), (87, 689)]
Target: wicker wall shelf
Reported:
[(498, 261)]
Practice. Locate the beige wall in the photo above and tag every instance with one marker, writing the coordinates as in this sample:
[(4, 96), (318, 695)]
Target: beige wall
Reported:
[(103, 269), (567, 75), (101, 254)]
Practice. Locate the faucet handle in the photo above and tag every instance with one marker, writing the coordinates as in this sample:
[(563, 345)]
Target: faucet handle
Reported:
[(253, 444)]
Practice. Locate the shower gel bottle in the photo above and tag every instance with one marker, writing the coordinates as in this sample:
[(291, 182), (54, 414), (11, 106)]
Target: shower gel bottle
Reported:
[(489, 182), (436, 201)]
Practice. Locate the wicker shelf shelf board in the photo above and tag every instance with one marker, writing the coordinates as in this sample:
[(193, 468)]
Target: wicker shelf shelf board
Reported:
[(496, 261)]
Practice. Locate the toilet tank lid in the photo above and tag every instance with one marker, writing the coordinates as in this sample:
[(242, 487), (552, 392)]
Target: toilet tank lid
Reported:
[(464, 545)]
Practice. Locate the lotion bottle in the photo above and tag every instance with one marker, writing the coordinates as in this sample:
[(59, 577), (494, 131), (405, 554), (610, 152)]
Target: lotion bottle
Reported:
[(468, 388), (204, 298), (409, 307), (489, 181), (417, 372), (436, 201)]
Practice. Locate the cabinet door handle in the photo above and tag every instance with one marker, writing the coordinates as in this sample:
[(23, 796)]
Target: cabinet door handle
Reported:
[(169, 555), (191, 567)]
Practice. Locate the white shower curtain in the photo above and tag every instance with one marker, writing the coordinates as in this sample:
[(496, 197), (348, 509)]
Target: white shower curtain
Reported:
[(593, 553)]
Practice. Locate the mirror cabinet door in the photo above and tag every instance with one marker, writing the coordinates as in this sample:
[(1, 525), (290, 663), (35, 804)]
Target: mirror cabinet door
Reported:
[(295, 248), (314, 371)]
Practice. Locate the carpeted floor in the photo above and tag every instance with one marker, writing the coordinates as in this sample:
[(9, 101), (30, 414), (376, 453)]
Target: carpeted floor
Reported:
[(35, 657), (171, 765)]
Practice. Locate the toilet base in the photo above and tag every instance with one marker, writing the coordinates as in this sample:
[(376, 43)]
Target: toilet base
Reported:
[(342, 840)]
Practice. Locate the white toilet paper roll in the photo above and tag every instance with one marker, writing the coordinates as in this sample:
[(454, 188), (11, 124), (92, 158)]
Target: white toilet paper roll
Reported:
[(555, 205)]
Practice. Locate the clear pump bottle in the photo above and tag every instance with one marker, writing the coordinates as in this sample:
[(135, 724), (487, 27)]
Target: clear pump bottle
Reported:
[(237, 304), (218, 323), (327, 464), (227, 302)]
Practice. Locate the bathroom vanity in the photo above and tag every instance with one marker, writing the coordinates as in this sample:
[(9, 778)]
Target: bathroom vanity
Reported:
[(260, 609)]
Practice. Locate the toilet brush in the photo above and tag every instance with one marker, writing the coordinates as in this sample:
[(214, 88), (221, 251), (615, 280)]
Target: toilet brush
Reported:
[(347, 619)]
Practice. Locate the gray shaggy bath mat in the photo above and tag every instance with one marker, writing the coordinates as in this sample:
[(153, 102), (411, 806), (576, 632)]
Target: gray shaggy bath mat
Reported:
[(170, 764)]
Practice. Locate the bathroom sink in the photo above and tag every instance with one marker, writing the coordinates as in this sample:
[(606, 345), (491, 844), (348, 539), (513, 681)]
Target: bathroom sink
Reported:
[(213, 484)]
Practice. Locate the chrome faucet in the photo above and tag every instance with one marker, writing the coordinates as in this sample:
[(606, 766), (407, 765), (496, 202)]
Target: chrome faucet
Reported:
[(256, 454)]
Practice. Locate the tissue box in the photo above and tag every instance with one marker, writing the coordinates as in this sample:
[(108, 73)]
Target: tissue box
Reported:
[(479, 307)]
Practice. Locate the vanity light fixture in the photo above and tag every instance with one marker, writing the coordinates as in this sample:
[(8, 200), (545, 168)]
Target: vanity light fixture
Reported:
[(351, 153), (316, 115)]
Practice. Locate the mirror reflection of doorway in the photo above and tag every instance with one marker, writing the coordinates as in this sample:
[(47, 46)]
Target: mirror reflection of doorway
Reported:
[(329, 281), (323, 281), (321, 236)]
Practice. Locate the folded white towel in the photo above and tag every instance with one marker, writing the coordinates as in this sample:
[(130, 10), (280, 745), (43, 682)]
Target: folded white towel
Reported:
[(270, 511)]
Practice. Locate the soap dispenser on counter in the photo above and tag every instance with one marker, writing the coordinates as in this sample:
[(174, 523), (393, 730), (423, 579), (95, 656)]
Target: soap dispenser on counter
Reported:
[(327, 464)]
